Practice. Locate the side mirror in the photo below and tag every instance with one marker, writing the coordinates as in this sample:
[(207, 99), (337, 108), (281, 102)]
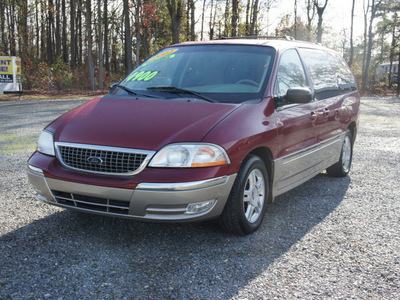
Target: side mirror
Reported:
[(112, 87), (299, 95)]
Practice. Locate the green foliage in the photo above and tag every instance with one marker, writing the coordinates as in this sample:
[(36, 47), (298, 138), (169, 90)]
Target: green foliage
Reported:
[(61, 74), (39, 76)]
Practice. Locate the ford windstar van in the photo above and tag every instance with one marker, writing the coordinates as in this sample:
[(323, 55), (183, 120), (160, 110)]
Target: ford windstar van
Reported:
[(203, 130)]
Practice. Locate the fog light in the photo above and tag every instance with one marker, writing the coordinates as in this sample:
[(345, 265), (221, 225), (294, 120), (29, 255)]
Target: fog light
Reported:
[(200, 207)]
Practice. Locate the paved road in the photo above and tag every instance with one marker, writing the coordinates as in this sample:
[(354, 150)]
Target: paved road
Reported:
[(329, 238)]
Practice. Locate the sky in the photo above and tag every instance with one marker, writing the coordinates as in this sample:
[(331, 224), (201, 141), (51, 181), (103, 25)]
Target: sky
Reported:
[(337, 14)]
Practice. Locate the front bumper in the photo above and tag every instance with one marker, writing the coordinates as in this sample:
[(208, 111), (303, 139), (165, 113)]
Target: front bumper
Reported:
[(148, 201)]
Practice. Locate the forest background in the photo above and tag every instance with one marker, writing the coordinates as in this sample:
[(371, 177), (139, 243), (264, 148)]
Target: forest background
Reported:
[(89, 44)]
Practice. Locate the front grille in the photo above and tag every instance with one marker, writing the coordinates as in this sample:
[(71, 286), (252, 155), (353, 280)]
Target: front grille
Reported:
[(103, 160), (92, 203)]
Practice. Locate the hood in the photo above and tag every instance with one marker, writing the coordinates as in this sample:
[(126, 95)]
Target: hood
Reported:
[(139, 124)]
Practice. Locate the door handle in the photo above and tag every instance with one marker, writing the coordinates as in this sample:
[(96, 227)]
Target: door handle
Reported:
[(326, 112), (313, 115)]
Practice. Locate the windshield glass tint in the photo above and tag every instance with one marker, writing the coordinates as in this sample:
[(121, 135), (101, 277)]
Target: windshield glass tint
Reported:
[(226, 73)]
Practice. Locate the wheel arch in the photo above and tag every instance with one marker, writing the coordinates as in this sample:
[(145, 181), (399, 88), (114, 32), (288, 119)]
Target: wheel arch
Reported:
[(266, 156)]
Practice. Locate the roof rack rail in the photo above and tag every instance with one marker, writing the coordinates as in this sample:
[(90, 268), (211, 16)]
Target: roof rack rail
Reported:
[(266, 37)]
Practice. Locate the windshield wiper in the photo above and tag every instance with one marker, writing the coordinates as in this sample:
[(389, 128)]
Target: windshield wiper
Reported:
[(132, 92), (176, 90)]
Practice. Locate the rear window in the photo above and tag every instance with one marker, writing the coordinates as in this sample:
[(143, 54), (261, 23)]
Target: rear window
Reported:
[(329, 72)]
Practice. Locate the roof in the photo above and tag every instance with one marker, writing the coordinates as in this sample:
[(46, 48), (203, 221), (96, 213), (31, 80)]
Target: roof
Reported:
[(275, 43)]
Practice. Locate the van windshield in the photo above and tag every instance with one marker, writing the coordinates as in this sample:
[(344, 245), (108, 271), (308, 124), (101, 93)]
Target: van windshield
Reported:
[(220, 73)]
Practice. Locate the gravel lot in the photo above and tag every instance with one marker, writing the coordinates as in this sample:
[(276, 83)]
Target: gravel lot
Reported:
[(329, 238)]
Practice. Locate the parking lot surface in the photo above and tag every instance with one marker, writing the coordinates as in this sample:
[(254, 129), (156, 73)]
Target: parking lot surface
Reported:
[(328, 238)]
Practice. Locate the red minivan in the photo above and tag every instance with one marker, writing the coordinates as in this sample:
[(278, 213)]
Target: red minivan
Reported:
[(203, 130)]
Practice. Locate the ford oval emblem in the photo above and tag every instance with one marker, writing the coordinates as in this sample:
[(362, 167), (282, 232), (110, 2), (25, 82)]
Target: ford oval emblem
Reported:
[(95, 160)]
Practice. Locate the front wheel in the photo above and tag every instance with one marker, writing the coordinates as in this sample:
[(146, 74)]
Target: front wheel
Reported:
[(244, 211), (342, 167)]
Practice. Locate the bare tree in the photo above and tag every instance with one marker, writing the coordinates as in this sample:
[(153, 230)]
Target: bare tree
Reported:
[(254, 17), (351, 35), (394, 24), (176, 13), (192, 20), (137, 20), (50, 18), (247, 26), (374, 7), (226, 18), (72, 42), (89, 41), (295, 19), (320, 12), (100, 40), (128, 39), (235, 17), (310, 7), (211, 24), (202, 20), (106, 48)]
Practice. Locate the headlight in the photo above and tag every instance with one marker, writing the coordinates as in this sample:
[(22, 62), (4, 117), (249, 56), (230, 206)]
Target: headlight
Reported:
[(45, 143), (190, 156)]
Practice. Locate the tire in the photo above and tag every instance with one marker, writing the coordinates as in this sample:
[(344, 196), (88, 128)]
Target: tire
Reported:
[(342, 167), (245, 208)]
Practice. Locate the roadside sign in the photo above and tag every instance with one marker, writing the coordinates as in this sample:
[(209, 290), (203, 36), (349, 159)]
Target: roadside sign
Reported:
[(10, 74)]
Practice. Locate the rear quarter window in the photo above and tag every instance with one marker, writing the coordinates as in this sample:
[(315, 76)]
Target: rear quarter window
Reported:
[(329, 73)]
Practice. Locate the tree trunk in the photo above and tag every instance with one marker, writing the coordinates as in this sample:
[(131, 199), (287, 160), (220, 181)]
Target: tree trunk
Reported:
[(64, 33), (43, 53), (211, 24), (310, 18), (192, 21), (57, 31), (320, 12), (392, 49), (50, 9), (3, 39), (37, 29), (175, 12), (254, 18), (100, 39), (138, 43), (295, 19), (202, 20), (351, 35), (78, 35), (235, 17), (106, 48), (398, 77), (247, 26), (128, 39), (72, 43), (89, 42), (24, 28), (226, 25), (374, 7), (11, 25), (188, 21)]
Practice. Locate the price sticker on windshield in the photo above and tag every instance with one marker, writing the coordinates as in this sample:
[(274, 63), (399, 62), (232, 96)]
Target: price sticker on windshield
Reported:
[(142, 76)]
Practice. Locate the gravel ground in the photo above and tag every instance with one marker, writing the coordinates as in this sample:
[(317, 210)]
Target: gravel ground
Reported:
[(329, 238)]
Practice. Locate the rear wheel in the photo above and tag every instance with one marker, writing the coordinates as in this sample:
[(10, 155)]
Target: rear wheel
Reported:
[(245, 208), (342, 167)]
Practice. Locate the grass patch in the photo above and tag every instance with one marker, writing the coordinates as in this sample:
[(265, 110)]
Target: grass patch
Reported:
[(11, 143)]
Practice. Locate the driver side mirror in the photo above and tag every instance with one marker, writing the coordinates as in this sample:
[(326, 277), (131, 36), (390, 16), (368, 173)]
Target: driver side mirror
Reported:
[(299, 95), (112, 87)]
